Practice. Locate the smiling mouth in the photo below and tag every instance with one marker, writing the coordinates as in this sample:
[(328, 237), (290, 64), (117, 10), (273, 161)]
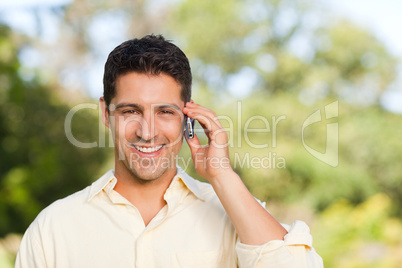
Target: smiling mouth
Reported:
[(148, 149)]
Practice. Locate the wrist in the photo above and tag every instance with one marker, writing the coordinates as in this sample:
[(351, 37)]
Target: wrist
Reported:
[(224, 175)]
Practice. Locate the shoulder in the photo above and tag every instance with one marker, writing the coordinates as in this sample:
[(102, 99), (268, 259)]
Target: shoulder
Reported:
[(49, 223), (73, 205), (61, 207)]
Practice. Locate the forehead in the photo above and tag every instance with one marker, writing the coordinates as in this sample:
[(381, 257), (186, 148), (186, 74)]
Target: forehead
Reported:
[(146, 89)]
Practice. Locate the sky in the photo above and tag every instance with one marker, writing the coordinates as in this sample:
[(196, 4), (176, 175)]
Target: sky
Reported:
[(381, 17), (27, 3)]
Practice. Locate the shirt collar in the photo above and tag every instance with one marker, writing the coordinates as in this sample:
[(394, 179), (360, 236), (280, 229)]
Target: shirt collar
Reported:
[(101, 183), (108, 181), (196, 187)]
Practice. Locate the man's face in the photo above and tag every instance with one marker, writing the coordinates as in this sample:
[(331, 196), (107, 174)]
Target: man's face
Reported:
[(147, 121)]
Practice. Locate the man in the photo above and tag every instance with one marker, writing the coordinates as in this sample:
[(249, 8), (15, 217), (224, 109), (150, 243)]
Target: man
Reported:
[(148, 212)]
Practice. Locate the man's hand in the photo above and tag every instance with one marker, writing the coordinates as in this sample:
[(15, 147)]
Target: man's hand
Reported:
[(252, 222), (212, 160)]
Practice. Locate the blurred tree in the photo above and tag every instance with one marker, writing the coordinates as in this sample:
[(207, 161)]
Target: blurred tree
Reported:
[(291, 45), (74, 46), (303, 60), (370, 237), (284, 43), (277, 45), (37, 163), (351, 64), (296, 59)]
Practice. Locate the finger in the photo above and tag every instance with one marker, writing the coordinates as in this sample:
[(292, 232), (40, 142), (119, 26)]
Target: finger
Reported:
[(211, 124), (193, 105), (214, 132), (193, 143), (206, 122), (192, 111), (204, 126)]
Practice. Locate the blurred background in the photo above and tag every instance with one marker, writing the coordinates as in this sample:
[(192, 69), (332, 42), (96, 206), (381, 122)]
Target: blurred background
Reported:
[(266, 58)]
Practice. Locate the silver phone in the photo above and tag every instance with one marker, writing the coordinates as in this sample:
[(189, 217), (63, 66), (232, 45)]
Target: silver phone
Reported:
[(189, 127)]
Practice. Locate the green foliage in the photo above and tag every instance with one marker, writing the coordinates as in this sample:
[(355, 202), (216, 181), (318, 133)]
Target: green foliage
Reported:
[(353, 63), (341, 61), (344, 63), (219, 31), (362, 169), (38, 163), (359, 236), (353, 209)]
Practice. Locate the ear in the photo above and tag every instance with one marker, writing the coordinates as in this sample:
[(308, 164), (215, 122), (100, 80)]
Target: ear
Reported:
[(105, 112)]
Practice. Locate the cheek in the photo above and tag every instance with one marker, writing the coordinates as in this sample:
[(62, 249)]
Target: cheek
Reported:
[(126, 128), (172, 130)]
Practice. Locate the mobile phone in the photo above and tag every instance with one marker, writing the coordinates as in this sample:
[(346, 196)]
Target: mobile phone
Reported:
[(189, 127)]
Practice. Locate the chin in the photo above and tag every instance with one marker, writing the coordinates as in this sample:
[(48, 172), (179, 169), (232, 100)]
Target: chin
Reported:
[(149, 172), (148, 175)]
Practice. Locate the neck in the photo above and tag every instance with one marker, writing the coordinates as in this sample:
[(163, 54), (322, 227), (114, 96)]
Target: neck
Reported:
[(133, 188), (145, 195)]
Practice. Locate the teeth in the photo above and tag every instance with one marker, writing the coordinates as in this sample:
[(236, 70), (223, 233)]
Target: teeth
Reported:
[(148, 150)]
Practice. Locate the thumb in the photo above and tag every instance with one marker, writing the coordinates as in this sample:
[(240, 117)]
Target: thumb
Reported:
[(193, 143)]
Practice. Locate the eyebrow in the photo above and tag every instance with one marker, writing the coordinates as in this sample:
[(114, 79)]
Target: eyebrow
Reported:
[(164, 106), (133, 105), (141, 107)]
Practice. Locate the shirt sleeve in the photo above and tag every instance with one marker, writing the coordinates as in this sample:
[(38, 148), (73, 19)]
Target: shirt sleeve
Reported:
[(30, 253), (295, 251)]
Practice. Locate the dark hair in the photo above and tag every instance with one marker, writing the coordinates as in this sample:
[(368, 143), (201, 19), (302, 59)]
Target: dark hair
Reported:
[(150, 55)]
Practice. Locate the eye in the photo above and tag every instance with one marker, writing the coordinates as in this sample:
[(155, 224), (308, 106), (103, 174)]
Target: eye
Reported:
[(166, 112), (128, 112)]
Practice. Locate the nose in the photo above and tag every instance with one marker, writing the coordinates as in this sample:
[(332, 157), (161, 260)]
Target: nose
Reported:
[(146, 128)]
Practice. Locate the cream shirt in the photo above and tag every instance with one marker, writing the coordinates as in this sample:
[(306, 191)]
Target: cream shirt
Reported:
[(97, 227)]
